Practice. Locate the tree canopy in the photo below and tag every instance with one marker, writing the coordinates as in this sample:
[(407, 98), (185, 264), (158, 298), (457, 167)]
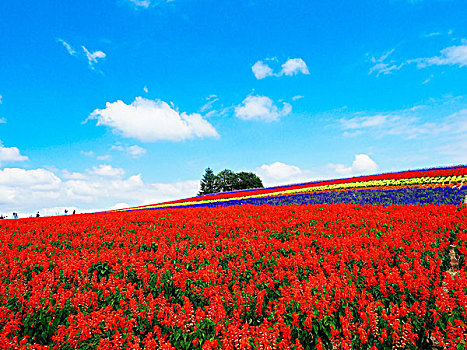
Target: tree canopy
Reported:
[(227, 180), (208, 183)]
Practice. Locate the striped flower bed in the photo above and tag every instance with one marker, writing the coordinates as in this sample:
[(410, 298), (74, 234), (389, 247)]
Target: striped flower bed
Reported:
[(426, 186)]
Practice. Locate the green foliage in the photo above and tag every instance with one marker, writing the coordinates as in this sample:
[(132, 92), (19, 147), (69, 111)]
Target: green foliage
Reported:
[(227, 180), (208, 182)]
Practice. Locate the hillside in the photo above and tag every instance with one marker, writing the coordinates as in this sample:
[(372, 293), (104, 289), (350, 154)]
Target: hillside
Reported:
[(444, 185)]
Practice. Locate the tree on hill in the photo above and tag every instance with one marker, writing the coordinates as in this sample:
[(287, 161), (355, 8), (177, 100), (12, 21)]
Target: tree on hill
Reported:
[(248, 180), (208, 183), (227, 180)]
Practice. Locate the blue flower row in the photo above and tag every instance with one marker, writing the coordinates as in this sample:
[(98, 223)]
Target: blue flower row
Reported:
[(401, 196)]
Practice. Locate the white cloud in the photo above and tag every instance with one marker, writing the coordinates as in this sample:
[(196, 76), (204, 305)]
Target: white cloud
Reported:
[(455, 55), (278, 173), (435, 130), (55, 211), (210, 100), (2, 120), (261, 70), (10, 154), (145, 89), (380, 67), (146, 3), (362, 164), (435, 34), (92, 154), (102, 188), (119, 206), (261, 108), (427, 80), (141, 3), (452, 55), (74, 175), (364, 121), (35, 179), (104, 157), (409, 123), (107, 171), (150, 121), (93, 57), (453, 143), (68, 47), (297, 97), (88, 153), (292, 66), (135, 151), (384, 68), (280, 170)]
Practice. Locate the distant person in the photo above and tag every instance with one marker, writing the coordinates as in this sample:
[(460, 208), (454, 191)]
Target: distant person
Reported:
[(66, 211), (74, 212), (37, 215), (15, 215), (1, 217)]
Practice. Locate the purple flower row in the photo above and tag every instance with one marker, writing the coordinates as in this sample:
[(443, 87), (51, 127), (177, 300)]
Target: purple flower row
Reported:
[(401, 196)]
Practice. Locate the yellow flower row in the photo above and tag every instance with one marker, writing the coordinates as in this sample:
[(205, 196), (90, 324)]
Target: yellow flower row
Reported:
[(352, 185)]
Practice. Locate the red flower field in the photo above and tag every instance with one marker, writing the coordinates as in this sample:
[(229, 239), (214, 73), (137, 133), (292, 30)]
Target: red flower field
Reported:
[(240, 277)]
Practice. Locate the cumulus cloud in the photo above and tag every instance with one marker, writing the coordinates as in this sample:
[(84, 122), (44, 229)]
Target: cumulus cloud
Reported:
[(452, 55), (362, 164), (100, 188), (122, 205), (280, 170), (10, 154), (107, 171), (261, 108), (134, 151), (150, 121), (261, 70), (73, 175), (36, 179), (292, 66), (278, 173)]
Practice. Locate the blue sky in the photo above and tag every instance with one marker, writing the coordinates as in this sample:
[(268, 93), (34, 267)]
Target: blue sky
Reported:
[(125, 102)]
